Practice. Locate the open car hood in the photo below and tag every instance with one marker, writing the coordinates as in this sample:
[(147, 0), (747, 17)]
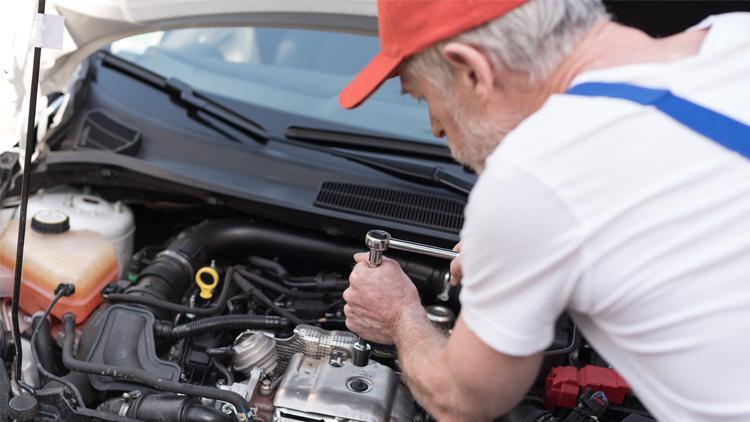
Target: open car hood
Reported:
[(93, 24)]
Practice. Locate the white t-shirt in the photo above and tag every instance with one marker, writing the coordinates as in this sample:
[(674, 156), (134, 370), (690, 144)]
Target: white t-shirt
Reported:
[(634, 224)]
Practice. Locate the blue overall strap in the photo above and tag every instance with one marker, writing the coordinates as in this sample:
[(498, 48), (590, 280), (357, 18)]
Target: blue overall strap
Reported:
[(729, 133)]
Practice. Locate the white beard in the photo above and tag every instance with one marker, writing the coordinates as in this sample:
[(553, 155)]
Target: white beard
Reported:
[(477, 137)]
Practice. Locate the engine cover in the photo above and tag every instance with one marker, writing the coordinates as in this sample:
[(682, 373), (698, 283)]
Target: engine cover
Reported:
[(332, 389)]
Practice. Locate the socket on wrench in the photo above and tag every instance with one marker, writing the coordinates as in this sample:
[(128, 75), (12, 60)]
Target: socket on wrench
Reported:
[(378, 241)]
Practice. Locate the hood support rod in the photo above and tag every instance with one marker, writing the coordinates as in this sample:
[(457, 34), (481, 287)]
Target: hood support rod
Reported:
[(30, 144)]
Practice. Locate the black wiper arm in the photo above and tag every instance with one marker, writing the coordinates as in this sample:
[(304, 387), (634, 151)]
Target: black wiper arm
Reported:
[(187, 96), (424, 174), (361, 141)]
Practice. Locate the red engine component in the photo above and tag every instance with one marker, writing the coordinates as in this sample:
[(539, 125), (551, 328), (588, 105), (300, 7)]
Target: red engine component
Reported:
[(564, 384)]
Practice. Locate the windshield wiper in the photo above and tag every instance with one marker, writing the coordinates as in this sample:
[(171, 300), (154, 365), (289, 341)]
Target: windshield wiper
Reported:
[(341, 144), (424, 174), (188, 98), (375, 143)]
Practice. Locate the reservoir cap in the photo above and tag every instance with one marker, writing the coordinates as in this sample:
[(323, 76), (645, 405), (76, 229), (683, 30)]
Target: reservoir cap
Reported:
[(50, 222)]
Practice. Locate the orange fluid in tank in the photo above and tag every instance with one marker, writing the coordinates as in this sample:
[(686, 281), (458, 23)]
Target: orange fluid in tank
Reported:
[(81, 257)]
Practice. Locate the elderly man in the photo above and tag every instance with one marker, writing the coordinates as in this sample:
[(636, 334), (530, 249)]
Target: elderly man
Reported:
[(614, 185)]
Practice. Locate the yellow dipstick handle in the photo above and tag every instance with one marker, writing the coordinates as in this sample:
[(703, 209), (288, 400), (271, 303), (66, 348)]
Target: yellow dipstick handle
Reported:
[(207, 289)]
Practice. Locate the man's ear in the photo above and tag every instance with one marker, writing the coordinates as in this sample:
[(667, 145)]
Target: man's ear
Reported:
[(471, 68)]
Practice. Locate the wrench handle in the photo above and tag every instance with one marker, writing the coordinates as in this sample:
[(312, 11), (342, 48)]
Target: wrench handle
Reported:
[(405, 245)]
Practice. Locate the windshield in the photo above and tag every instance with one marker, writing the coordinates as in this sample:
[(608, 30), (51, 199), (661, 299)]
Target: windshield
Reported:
[(291, 70)]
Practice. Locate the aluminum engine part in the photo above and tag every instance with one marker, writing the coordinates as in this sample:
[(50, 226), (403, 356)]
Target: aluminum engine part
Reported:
[(246, 389), (314, 342), (442, 317), (330, 389), (254, 350)]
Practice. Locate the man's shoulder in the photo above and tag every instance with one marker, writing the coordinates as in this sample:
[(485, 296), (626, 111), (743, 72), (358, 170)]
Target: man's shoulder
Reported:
[(561, 122)]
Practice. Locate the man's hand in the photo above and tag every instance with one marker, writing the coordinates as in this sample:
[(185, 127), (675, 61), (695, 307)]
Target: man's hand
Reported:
[(455, 378), (377, 297), (456, 273)]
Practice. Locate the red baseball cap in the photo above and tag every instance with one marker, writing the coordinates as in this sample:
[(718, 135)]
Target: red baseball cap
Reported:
[(407, 27)]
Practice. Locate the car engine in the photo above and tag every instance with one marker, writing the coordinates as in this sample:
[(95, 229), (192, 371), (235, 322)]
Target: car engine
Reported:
[(191, 316)]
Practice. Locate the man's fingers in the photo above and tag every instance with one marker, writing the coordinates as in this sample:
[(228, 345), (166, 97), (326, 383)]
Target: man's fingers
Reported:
[(351, 318), (348, 295), (456, 273), (363, 257), (358, 273)]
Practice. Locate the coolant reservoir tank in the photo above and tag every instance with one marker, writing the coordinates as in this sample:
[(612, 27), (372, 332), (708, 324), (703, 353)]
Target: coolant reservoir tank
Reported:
[(55, 254), (113, 220)]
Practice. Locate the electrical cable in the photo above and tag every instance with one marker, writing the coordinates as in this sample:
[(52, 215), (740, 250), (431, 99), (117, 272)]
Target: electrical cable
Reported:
[(223, 370), (247, 286), (61, 291), (25, 186), (264, 282)]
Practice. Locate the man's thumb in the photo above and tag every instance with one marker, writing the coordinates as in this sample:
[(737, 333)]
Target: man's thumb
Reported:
[(362, 257)]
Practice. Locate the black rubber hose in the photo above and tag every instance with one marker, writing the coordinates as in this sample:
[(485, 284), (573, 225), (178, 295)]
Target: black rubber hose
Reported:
[(62, 290), (247, 287), (140, 376), (214, 309), (164, 407), (40, 324), (269, 265), (44, 346), (219, 323)]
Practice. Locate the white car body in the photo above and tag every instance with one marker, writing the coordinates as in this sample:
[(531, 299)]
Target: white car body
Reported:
[(93, 24)]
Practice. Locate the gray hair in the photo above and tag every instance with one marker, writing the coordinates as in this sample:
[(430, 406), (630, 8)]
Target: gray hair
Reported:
[(532, 39)]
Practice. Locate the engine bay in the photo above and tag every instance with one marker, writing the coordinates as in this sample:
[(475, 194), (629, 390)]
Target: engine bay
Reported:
[(153, 311)]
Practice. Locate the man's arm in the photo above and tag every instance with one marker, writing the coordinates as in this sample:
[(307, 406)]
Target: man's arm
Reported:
[(456, 378), (460, 378)]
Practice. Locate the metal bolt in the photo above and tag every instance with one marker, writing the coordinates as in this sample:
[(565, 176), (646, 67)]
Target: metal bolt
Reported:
[(337, 360), (227, 409), (445, 295), (266, 388)]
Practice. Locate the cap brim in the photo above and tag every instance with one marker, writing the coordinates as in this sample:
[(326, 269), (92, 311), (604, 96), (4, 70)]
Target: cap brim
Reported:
[(380, 68)]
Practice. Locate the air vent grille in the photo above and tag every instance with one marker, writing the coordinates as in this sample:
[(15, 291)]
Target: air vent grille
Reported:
[(103, 132), (431, 211)]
